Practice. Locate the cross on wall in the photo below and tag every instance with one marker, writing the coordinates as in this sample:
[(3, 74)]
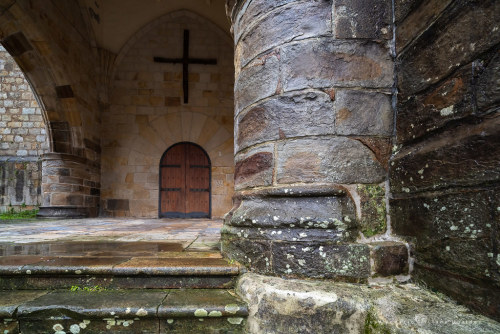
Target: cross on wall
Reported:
[(185, 61)]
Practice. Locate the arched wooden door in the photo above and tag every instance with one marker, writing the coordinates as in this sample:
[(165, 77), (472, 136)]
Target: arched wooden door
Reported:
[(185, 182)]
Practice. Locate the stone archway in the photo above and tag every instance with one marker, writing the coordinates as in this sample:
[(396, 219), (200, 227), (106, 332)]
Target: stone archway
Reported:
[(147, 113), (57, 58)]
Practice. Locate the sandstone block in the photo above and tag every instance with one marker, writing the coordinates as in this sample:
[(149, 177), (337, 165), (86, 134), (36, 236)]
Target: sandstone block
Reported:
[(335, 159), (450, 43), (422, 16), (363, 113), (464, 156), (290, 22), (389, 258), (357, 19), (284, 116), (324, 62), (325, 213), (321, 260), (256, 81), (422, 113), (254, 168), (455, 232)]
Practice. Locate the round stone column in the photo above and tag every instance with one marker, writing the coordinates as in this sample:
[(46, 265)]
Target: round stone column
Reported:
[(313, 122), (70, 186)]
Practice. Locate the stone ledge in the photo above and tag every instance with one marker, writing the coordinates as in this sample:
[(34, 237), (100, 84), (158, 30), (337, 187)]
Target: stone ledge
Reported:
[(297, 306), (123, 311)]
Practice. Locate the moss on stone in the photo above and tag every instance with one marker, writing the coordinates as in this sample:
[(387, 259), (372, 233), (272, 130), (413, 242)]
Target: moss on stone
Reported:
[(372, 326), (373, 209)]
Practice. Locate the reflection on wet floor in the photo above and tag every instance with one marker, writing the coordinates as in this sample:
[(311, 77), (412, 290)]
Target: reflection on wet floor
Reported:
[(95, 243)]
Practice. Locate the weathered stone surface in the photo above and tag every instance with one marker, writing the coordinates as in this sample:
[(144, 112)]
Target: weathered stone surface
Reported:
[(233, 325), (455, 232), (321, 260), (109, 324), (255, 254), (422, 16), (251, 11), (356, 19), (403, 7), (88, 304), (290, 234), (256, 81), (20, 183), (254, 168), (201, 303), (482, 296), (324, 62), (389, 258), (463, 156), (10, 301), (337, 159), (295, 306), (363, 113), (373, 213), (287, 23), (450, 43), (488, 83), (449, 100), (284, 116), (301, 212)]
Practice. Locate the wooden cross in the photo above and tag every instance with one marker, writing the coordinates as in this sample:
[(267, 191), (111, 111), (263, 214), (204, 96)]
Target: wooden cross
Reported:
[(185, 61)]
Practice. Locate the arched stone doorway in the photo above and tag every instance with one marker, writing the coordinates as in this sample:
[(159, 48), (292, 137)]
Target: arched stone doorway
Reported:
[(185, 182)]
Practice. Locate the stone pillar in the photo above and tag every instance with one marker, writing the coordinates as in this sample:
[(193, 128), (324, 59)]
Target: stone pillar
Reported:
[(313, 121), (70, 186)]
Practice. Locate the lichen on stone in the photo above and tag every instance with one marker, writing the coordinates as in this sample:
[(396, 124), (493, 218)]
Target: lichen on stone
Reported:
[(373, 209)]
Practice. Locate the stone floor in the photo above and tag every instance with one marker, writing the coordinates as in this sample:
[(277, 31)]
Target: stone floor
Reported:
[(115, 253), (191, 234)]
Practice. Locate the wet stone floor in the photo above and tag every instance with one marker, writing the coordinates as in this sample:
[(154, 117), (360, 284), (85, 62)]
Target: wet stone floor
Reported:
[(187, 234), (110, 247)]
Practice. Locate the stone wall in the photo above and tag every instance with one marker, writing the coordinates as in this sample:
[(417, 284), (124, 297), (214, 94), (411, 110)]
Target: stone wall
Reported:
[(446, 171), (147, 114), (22, 128), (23, 139), (20, 183), (52, 43), (313, 127)]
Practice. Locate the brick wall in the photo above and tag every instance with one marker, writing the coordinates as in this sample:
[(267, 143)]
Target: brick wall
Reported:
[(147, 114), (446, 171)]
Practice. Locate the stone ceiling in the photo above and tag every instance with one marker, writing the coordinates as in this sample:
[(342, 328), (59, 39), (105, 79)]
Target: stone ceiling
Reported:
[(115, 21)]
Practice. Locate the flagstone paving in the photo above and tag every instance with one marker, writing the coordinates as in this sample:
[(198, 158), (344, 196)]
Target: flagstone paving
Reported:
[(192, 234)]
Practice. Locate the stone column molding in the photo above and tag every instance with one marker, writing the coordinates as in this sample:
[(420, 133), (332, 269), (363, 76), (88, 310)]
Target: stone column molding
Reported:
[(313, 125), (70, 186)]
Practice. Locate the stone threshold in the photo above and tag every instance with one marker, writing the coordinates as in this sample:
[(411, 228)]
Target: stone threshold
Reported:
[(127, 311)]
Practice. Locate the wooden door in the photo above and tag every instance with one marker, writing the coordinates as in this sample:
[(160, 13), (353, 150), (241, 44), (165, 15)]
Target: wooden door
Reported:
[(185, 182)]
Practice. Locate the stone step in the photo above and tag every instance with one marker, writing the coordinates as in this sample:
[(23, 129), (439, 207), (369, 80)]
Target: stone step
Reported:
[(122, 311), (116, 272)]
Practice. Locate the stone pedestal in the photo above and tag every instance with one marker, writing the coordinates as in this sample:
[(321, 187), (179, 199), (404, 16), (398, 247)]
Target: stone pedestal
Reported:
[(70, 186), (313, 122)]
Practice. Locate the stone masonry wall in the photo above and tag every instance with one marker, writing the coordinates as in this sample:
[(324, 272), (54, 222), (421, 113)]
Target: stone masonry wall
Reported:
[(22, 128), (23, 139), (313, 127), (446, 171), (52, 43), (147, 114)]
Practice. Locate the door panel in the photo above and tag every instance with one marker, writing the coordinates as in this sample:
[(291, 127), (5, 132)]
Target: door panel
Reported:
[(185, 182)]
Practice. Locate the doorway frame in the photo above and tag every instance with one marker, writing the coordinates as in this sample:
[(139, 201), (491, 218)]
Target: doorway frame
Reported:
[(209, 180)]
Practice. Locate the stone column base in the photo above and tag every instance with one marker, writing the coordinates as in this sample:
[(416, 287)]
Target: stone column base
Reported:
[(62, 212)]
